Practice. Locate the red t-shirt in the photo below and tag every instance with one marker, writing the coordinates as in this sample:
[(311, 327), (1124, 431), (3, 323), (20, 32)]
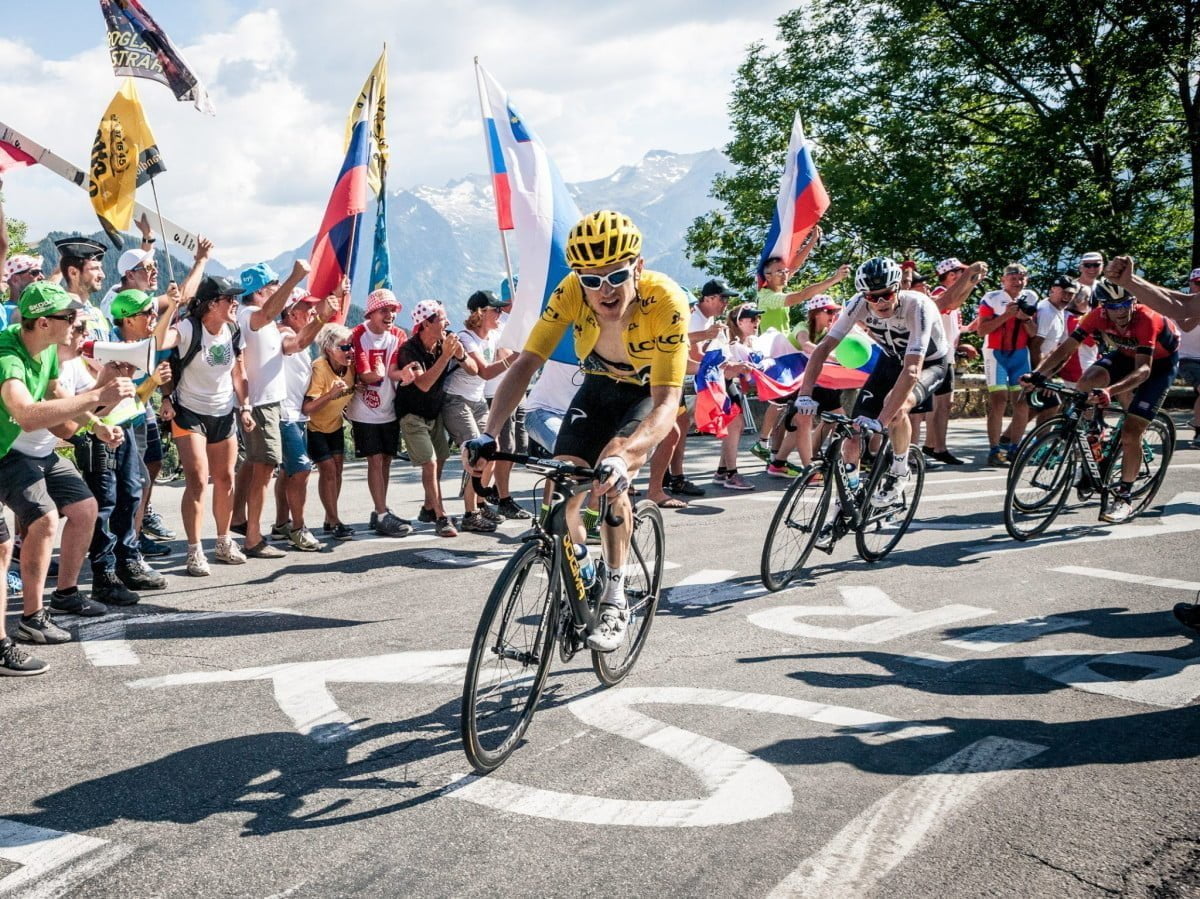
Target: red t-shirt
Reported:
[(1012, 334), (1147, 334)]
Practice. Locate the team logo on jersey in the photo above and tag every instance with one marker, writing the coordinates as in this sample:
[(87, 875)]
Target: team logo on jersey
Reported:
[(219, 355)]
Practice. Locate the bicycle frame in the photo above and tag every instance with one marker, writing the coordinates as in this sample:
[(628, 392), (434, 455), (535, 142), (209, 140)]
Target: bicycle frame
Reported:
[(850, 504)]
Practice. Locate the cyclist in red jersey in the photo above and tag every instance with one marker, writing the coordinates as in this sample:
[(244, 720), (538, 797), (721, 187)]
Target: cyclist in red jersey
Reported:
[(1139, 371)]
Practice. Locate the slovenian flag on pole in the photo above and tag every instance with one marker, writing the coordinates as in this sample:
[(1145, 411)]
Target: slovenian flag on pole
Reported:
[(532, 201), (714, 408), (801, 203), (13, 157), (335, 250)]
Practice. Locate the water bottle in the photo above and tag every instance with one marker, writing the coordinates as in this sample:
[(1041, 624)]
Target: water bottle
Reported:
[(587, 568), (1096, 445), (852, 479)]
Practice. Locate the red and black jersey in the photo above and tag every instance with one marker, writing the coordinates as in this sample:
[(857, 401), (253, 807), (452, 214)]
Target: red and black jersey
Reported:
[(1147, 334)]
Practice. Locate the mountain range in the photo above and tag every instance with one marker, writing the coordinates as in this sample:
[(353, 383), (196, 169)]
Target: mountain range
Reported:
[(445, 245)]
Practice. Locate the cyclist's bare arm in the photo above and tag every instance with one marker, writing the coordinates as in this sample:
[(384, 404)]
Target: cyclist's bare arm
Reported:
[(1182, 307)]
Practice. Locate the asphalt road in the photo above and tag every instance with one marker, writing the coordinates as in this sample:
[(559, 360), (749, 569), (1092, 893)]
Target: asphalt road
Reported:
[(970, 717)]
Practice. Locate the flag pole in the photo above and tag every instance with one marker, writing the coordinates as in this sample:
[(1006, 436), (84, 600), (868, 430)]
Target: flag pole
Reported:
[(162, 229), (487, 147)]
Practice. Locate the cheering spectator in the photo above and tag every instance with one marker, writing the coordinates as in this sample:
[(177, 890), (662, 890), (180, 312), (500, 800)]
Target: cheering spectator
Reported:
[(1007, 321), (325, 400)]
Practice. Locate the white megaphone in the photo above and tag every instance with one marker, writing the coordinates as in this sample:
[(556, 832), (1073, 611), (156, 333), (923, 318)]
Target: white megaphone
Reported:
[(139, 353)]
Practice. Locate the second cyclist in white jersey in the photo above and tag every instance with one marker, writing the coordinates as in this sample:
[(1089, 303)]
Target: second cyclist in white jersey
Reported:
[(915, 360)]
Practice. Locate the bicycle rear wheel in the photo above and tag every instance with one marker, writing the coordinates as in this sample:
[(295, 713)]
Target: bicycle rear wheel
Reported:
[(1040, 480), (643, 581), (510, 658), (794, 527), (1158, 445), (883, 526)]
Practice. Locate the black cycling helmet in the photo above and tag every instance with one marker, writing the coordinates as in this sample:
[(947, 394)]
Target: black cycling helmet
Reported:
[(1105, 293), (878, 273)]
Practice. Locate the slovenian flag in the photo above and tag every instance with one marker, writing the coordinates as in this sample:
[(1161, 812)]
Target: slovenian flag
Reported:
[(801, 203), (779, 378), (533, 202), (335, 250), (13, 157), (714, 409)]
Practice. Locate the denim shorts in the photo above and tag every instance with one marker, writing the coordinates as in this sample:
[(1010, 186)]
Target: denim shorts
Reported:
[(542, 426), (293, 436)]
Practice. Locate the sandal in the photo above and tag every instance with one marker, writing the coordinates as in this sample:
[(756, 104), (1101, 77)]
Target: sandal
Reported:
[(672, 503)]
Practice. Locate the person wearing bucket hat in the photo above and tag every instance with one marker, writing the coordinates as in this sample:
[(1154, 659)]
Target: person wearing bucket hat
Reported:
[(39, 490), (372, 410)]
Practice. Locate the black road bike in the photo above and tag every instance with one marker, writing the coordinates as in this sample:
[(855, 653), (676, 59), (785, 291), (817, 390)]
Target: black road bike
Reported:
[(540, 601)]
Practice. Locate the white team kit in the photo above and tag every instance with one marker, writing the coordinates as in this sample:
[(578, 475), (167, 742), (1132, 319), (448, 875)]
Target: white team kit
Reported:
[(914, 327)]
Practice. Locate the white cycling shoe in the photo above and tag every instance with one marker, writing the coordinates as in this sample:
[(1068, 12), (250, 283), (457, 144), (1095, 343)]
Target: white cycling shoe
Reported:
[(891, 490), (610, 630)]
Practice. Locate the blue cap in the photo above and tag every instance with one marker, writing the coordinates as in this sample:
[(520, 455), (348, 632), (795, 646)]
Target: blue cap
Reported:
[(506, 290), (256, 277)]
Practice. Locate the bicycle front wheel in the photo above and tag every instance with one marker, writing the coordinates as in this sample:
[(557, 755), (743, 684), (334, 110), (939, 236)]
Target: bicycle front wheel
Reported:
[(1040, 480), (643, 582), (510, 658), (794, 528), (883, 524), (1158, 445)]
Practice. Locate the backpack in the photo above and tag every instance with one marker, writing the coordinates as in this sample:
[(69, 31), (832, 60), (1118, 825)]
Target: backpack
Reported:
[(179, 361)]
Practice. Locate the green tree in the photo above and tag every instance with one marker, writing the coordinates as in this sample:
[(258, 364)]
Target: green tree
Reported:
[(982, 129)]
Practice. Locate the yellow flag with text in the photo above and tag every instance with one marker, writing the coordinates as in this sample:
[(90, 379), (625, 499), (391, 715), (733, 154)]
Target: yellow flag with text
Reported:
[(124, 156), (374, 96)]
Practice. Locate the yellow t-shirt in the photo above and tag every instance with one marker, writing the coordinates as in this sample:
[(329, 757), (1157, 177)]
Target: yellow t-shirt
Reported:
[(656, 339), (328, 419)]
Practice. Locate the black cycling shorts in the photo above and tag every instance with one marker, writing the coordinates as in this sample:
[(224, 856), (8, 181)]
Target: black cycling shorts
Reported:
[(828, 400), (1149, 395), (930, 381), (601, 410)]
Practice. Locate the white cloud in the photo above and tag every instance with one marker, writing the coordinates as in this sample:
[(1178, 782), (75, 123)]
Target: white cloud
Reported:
[(601, 85)]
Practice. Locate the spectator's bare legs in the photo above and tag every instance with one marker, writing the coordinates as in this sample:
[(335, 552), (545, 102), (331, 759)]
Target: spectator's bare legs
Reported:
[(283, 513), (221, 459), (329, 487), (683, 423), (379, 468), (241, 493), (433, 488), (660, 461), (256, 498), (1020, 418), (503, 475), (729, 443), (767, 426), (937, 426), (997, 401), (296, 492), (195, 472), (5, 560)]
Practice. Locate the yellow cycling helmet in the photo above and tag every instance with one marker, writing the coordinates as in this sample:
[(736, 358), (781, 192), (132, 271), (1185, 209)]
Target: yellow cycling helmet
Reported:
[(603, 238)]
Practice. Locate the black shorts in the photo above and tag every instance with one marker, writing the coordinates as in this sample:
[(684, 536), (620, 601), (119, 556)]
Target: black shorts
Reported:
[(33, 488), (947, 385), (374, 439), (154, 448), (828, 400), (887, 370), (601, 410), (1149, 395), (326, 446), (213, 428)]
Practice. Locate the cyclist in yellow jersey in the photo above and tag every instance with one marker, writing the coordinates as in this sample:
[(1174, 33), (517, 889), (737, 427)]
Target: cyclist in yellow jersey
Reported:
[(630, 331)]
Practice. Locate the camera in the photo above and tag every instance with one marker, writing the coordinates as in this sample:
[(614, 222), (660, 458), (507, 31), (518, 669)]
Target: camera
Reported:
[(1027, 304)]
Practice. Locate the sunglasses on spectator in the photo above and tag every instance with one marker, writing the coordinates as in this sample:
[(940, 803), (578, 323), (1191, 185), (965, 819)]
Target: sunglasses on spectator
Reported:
[(145, 267), (345, 347), (80, 328), (612, 279), (65, 317), (1091, 265)]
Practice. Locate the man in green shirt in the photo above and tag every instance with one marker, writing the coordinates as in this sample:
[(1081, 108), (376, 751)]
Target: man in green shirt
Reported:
[(38, 490)]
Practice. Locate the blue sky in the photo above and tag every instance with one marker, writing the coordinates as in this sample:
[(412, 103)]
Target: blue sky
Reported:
[(602, 84)]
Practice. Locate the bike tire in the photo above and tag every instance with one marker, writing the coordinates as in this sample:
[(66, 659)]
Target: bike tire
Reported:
[(794, 528), (499, 699), (1160, 433), (1031, 502), (643, 586), (884, 525)]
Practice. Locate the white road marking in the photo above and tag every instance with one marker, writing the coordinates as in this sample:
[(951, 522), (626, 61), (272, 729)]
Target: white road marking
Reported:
[(1169, 683), (738, 786), (52, 863), (862, 602), (702, 588), (935, 480), (103, 639), (302, 688), (929, 659), (880, 838), (943, 497), (1139, 579), (997, 636)]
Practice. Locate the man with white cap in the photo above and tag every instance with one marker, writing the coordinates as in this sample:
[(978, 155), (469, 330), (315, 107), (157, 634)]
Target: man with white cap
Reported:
[(937, 425), (372, 411), (1091, 264)]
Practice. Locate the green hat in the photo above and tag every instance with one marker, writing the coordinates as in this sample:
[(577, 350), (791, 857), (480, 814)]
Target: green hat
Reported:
[(129, 303), (42, 298)]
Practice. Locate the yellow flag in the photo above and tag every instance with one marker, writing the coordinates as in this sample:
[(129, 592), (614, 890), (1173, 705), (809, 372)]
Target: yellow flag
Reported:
[(373, 95), (124, 156)]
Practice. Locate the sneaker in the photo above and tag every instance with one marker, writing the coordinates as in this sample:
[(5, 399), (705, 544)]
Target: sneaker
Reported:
[(78, 603), (783, 470), (108, 589), (721, 476), (444, 527), (929, 451), (16, 662), (137, 575), (889, 492), (40, 628), (15, 587), (340, 531), (610, 630), (474, 521), (427, 516), (239, 528), (997, 458), (1188, 614), (388, 525), (152, 548), (1012, 450), (197, 565), (946, 457), (761, 450), (231, 554), (736, 482), (1120, 509), (281, 532), (511, 509), (153, 525), (490, 513), (681, 486), (303, 540), (262, 550)]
